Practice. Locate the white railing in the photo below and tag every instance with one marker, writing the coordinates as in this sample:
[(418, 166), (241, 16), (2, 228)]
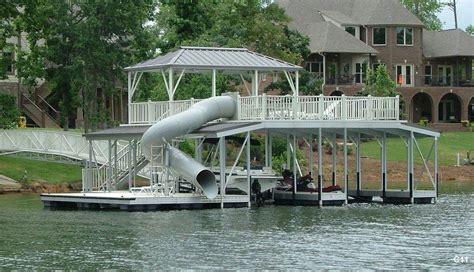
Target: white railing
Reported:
[(150, 112), (269, 107)]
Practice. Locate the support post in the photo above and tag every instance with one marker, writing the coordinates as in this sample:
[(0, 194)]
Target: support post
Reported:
[(90, 173), (134, 160), (109, 169), (198, 150), (320, 167), (115, 159), (214, 83), (334, 160), (436, 168), (129, 155), (297, 83), (411, 168), (222, 164), (248, 169), (358, 165), (129, 92), (311, 155), (270, 149), (384, 165), (288, 152), (346, 176), (294, 166), (267, 149)]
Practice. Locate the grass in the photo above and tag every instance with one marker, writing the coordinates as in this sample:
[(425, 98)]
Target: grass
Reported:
[(450, 144), (51, 172)]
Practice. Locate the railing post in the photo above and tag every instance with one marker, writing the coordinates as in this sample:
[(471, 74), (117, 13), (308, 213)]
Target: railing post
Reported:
[(321, 106), (294, 101), (369, 107), (264, 106), (397, 107), (149, 112), (343, 107)]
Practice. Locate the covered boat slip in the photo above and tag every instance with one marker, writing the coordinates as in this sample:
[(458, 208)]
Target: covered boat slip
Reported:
[(148, 146), (314, 133)]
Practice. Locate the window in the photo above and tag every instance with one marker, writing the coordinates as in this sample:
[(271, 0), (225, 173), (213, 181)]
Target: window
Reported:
[(314, 67), (351, 30), (404, 36), (444, 75), (360, 71), (379, 36), (428, 75), (404, 75)]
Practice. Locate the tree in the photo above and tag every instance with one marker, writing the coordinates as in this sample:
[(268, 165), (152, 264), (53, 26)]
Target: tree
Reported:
[(426, 11), (379, 83), (8, 111), (452, 5), (309, 84), (253, 24), (470, 30), (8, 13), (81, 47)]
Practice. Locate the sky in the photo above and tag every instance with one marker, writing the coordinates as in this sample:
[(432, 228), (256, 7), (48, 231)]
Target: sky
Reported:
[(465, 10)]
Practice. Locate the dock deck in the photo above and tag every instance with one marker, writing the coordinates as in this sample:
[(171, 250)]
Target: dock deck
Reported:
[(394, 196), (308, 198), (124, 200)]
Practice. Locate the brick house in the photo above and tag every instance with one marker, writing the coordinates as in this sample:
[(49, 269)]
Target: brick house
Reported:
[(433, 70)]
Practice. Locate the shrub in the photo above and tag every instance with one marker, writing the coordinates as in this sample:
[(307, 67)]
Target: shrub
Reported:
[(465, 123), (9, 113)]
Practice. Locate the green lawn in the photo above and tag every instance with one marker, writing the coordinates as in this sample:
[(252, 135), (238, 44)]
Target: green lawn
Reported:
[(51, 172), (449, 145)]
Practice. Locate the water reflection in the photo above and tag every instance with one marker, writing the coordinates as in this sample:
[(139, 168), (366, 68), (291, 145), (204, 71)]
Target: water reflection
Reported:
[(356, 236)]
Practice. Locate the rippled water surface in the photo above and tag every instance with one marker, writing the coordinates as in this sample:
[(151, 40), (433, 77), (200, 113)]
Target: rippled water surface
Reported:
[(274, 237)]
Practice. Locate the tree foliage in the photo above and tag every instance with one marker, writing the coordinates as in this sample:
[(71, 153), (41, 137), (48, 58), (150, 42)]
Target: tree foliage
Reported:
[(8, 14), (470, 30), (251, 24), (82, 46), (426, 11), (310, 84), (379, 83), (9, 113)]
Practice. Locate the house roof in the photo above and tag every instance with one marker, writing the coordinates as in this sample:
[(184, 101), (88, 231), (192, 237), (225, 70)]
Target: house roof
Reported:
[(206, 58), (340, 17), (447, 43), (330, 38), (365, 12)]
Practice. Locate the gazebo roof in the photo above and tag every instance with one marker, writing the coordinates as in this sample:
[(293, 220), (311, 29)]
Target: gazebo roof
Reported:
[(208, 58)]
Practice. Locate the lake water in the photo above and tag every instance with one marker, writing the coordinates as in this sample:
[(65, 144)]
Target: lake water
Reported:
[(273, 237)]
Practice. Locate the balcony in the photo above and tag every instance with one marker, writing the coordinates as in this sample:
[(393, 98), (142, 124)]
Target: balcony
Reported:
[(266, 107), (445, 81)]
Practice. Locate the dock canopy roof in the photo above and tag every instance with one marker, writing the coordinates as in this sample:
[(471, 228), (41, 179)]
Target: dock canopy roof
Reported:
[(207, 58)]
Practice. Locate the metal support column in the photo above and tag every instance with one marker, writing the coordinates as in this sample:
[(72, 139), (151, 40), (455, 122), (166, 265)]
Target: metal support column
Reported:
[(294, 165), (358, 165), (248, 168), (411, 169), (214, 92), (436, 168), (346, 176), (134, 160), (115, 160), (198, 150), (109, 169), (270, 149), (129, 155), (288, 152), (334, 159), (311, 155), (89, 182), (267, 150), (320, 167), (222, 164), (384, 164)]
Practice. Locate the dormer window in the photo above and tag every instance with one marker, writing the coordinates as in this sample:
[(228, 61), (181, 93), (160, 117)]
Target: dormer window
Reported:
[(353, 30)]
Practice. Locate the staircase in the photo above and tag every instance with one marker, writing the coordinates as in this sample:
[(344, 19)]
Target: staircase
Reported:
[(116, 172), (40, 113)]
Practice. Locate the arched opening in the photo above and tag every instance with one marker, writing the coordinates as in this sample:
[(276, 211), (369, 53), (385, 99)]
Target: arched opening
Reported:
[(337, 93), (470, 112), (422, 108), (449, 110)]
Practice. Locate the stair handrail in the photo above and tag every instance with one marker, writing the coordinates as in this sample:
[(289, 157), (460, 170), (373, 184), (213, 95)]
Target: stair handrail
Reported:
[(56, 112), (43, 112)]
